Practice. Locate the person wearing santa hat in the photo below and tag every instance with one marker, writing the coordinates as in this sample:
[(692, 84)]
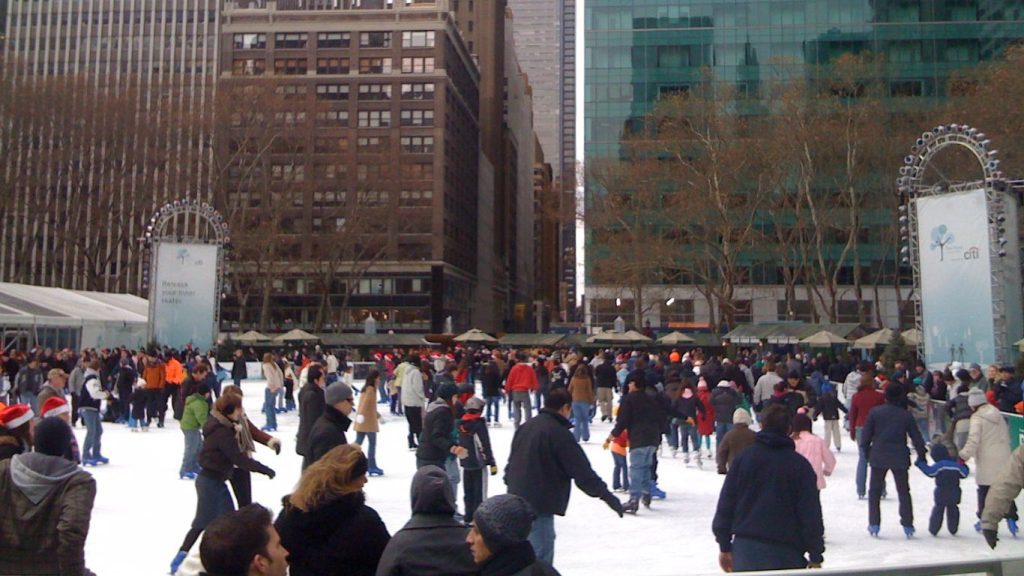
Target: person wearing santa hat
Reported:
[(56, 407), (15, 430)]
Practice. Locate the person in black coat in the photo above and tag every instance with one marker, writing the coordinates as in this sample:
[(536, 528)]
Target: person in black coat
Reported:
[(432, 541), (326, 525), (543, 462), (491, 380), (440, 438), (239, 371), (311, 406), (769, 509), (329, 429), (724, 400), (473, 438), (644, 412), (884, 441)]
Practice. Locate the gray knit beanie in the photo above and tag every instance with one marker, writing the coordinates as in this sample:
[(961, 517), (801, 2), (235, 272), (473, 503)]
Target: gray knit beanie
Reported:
[(503, 521)]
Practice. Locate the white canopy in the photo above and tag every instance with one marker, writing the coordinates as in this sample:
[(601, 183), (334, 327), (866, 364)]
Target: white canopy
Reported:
[(105, 320)]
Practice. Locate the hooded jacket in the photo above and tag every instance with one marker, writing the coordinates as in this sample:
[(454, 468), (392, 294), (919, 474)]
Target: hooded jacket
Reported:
[(327, 433), (516, 560), (725, 399), (645, 414), (432, 541), (47, 504), (342, 536), (438, 432), (947, 473), (771, 495), (988, 442)]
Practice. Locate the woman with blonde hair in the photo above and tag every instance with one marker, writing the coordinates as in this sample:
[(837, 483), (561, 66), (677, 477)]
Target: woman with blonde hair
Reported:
[(275, 383), (326, 525)]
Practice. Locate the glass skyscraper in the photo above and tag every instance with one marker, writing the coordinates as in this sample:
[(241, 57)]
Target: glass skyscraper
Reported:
[(639, 51)]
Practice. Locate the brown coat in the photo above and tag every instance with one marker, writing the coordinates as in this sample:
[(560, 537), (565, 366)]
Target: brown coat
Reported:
[(368, 410), (47, 537), (735, 441), (582, 389)]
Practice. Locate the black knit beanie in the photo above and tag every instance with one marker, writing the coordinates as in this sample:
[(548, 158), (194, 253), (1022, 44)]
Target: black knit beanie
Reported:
[(503, 521)]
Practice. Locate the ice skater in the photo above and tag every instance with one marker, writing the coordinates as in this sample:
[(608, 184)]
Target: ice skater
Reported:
[(947, 473)]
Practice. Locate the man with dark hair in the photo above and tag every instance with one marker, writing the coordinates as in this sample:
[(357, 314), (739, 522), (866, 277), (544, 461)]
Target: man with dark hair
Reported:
[(243, 543), (312, 404), (769, 509), (542, 463)]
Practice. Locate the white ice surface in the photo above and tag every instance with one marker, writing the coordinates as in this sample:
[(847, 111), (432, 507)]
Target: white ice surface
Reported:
[(143, 511)]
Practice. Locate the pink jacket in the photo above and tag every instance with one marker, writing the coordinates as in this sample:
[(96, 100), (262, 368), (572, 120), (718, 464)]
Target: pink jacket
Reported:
[(817, 453)]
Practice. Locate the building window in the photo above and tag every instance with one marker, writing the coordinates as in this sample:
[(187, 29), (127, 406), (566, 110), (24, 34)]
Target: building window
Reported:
[(418, 39), (417, 117), (288, 172), (375, 65), (375, 40), (372, 144), (680, 312), (332, 66), (328, 199), (332, 91), (906, 88), (415, 198), (333, 39), (248, 67), (372, 197), (335, 171), (418, 91), (417, 65), (290, 40), (418, 144), (801, 310), (290, 66), (375, 91), (418, 171), (374, 118), (250, 41), (364, 173), (289, 118), (332, 118), (330, 144), (744, 312), (291, 91)]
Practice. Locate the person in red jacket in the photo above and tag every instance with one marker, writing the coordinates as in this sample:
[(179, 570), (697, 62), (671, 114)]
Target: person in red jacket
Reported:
[(705, 420), (521, 381), (866, 398)]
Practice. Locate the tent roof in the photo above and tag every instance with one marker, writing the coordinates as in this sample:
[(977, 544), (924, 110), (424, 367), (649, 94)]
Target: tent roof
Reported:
[(382, 340), (531, 339), (789, 332), (25, 305)]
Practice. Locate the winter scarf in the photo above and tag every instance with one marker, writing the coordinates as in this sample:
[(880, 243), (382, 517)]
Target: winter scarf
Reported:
[(242, 434)]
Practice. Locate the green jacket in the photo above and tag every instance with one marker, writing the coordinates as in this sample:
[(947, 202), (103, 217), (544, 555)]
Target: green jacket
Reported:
[(196, 412)]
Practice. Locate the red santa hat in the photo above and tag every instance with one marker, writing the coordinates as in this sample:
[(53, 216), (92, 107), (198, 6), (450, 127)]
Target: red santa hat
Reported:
[(16, 415), (54, 407)]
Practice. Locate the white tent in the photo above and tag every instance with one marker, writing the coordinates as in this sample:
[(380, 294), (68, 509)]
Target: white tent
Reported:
[(58, 318)]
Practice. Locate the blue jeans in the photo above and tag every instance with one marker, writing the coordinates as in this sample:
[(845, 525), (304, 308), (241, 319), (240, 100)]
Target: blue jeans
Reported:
[(640, 460), (721, 429), (688, 437), (542, 537), (279, 400), (93, 432), (620, 475), (212, 500), (673, 434), (371, 453), (749, 555), (493, 403), (581, 420), (862, 467), (538, 396), (30, 398), (193, 442), (922, 424), (269, 408)]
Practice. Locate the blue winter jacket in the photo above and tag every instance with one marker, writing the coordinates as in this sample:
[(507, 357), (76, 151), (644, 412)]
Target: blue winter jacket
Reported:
[(771, 495)]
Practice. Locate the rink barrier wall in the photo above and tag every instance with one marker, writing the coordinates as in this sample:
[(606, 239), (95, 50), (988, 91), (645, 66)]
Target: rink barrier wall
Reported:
[(993, 567)]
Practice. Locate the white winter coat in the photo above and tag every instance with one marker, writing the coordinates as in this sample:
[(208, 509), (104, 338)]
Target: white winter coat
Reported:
[(413, 393), (988, 442)]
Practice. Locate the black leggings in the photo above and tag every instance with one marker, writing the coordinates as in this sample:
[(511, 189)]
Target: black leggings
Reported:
[(241, 485), (414, 416)]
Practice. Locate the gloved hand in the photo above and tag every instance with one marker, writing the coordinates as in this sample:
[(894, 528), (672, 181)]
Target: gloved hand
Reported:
[(271, 474), (275, 444), (494, 470), (991, 537), (613, 503)]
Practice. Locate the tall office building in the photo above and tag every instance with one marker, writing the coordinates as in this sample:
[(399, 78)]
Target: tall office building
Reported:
[(104, 125), (636, 53), (379, 108)]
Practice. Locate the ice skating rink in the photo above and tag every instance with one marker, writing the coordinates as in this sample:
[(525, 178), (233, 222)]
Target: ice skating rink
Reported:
[(143, 510)]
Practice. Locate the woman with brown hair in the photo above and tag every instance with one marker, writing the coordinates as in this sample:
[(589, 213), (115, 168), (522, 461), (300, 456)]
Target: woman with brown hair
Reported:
[(368, 420), (217, 460), (326, 525), (248, 435)]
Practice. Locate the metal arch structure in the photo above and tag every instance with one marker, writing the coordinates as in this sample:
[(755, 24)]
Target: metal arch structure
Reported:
[(910, 187), (200, 223)]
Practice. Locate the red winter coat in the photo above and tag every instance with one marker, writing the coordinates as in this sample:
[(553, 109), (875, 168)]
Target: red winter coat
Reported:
[(862, 403), (706, 423)]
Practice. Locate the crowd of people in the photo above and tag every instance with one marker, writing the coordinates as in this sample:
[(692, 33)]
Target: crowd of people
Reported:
[(759, 409)]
